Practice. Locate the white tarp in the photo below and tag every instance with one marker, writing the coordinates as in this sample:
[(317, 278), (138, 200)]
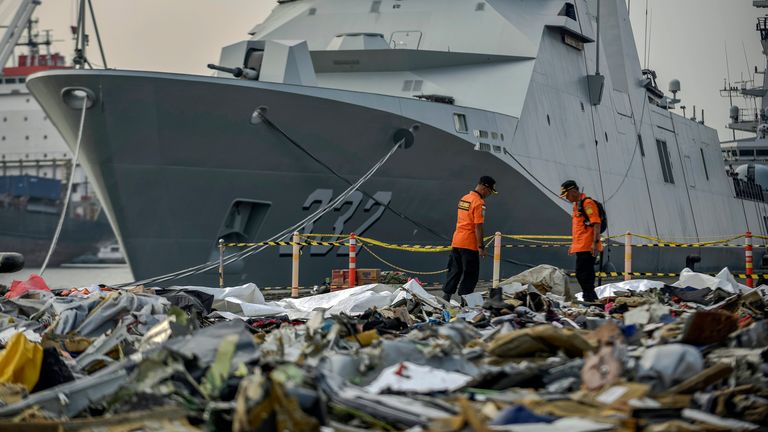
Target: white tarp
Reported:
[(413, 378), (248, 301), (233, 299), (544, 277), (723, 280), (634, 286), (351, 301)]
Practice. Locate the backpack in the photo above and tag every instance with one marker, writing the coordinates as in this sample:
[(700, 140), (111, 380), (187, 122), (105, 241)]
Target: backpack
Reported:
[(600, 212)]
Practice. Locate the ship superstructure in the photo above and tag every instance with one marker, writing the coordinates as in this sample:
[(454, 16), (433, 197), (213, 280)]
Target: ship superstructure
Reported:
[(747, 157), (532, 93)]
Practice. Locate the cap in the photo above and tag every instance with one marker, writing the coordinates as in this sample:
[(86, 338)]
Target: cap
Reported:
[(566, 186), (488, 182)]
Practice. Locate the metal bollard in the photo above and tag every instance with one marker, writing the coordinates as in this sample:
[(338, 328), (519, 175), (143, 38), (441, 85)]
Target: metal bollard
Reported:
[(295, 266), (221, 263), (352, 260), (748, 258), (496, 259), (627, 256)]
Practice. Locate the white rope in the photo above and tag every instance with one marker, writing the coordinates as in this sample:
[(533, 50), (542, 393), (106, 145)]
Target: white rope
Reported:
[(256, 249), (65, 206)]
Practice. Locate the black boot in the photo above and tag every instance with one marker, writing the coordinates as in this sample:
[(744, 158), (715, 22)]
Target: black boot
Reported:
[(495, 300), (447, 297)]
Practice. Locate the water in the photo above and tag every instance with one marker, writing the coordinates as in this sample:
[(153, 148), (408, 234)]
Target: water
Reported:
[(69, 277)]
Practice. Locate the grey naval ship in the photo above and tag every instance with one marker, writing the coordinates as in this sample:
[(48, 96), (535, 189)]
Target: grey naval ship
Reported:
[(529, 92)]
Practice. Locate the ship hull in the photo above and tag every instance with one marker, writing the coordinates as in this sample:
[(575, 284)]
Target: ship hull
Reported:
[(170, 154), (30, 234)]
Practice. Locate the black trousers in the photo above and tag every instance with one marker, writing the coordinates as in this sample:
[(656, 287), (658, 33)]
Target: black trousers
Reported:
[(585, 274), (464, 267)]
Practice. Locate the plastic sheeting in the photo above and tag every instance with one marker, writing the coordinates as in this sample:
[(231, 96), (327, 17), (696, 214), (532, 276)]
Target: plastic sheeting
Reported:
[(667, 365), (634, 285), (352, 301), (20, 362), (545, 278), (410, 377), (33, 283), (723, 280)]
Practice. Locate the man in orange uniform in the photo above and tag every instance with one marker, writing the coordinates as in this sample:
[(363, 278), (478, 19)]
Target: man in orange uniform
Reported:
[(467, 245), (585, 232)]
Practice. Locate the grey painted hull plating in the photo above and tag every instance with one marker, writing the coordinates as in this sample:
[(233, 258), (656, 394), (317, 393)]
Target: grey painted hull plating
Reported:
[(169, 154)]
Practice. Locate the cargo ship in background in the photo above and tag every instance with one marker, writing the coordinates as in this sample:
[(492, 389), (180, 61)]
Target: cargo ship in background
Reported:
[(529, 92), (35, 164)]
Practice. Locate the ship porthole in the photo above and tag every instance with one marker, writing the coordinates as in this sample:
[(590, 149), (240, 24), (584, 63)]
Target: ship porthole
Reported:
[(75, 96)]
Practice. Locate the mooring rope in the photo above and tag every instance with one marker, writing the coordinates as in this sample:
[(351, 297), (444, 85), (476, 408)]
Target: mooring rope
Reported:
[(65, 206)]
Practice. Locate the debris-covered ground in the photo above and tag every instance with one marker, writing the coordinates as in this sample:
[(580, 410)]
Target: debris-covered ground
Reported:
[(683, 357)]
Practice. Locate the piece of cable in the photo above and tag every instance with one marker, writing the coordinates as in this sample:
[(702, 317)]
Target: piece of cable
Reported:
[(65, 205)]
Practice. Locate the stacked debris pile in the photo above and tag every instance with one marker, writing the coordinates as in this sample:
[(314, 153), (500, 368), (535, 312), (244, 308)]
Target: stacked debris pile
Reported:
[(648, 356)]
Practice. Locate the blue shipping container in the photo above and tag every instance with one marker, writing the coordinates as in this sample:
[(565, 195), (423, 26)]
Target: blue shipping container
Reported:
[(31, 186)]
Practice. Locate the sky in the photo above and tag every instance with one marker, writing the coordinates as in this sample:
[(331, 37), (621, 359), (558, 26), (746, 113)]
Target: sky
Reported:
[(687, 39)]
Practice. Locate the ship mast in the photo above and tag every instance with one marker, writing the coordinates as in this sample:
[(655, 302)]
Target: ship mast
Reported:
[(753, 117), (16, 27)]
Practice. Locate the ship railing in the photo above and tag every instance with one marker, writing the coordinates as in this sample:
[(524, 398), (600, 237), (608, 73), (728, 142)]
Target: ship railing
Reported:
[(501, 241), (748, 190)]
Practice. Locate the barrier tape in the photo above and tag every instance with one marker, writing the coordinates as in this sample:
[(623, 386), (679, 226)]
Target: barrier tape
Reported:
[(653, 274), (285, 243), (537, 240), (685, 245), (405, 247)]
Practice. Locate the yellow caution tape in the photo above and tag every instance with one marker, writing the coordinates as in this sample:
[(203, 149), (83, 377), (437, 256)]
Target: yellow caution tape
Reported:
[(405, 247), (652, 274), (285, 243)]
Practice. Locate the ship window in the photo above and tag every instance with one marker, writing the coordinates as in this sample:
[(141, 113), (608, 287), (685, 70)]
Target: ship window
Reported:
[(746, 153), (407, 85), (568, 10), (312, 11), (417, 85), (549, 122), (460, 123), (480, 6), (45, 137), (606, 137), (375, 6), (666, 165), (761, 152), (22, 80), (395, 6), (494, 135), (482, 133), (26, 137), (10, 80), (25, 118), (501, 135), (640, 142), (704, 162), (497, 149), (485, 147)]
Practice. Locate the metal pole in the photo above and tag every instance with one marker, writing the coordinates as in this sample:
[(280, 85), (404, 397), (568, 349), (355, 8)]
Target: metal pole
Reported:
[(221, 263), (352, 260), (748, 258), (496, 259), (295, 266), (627, 256)]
